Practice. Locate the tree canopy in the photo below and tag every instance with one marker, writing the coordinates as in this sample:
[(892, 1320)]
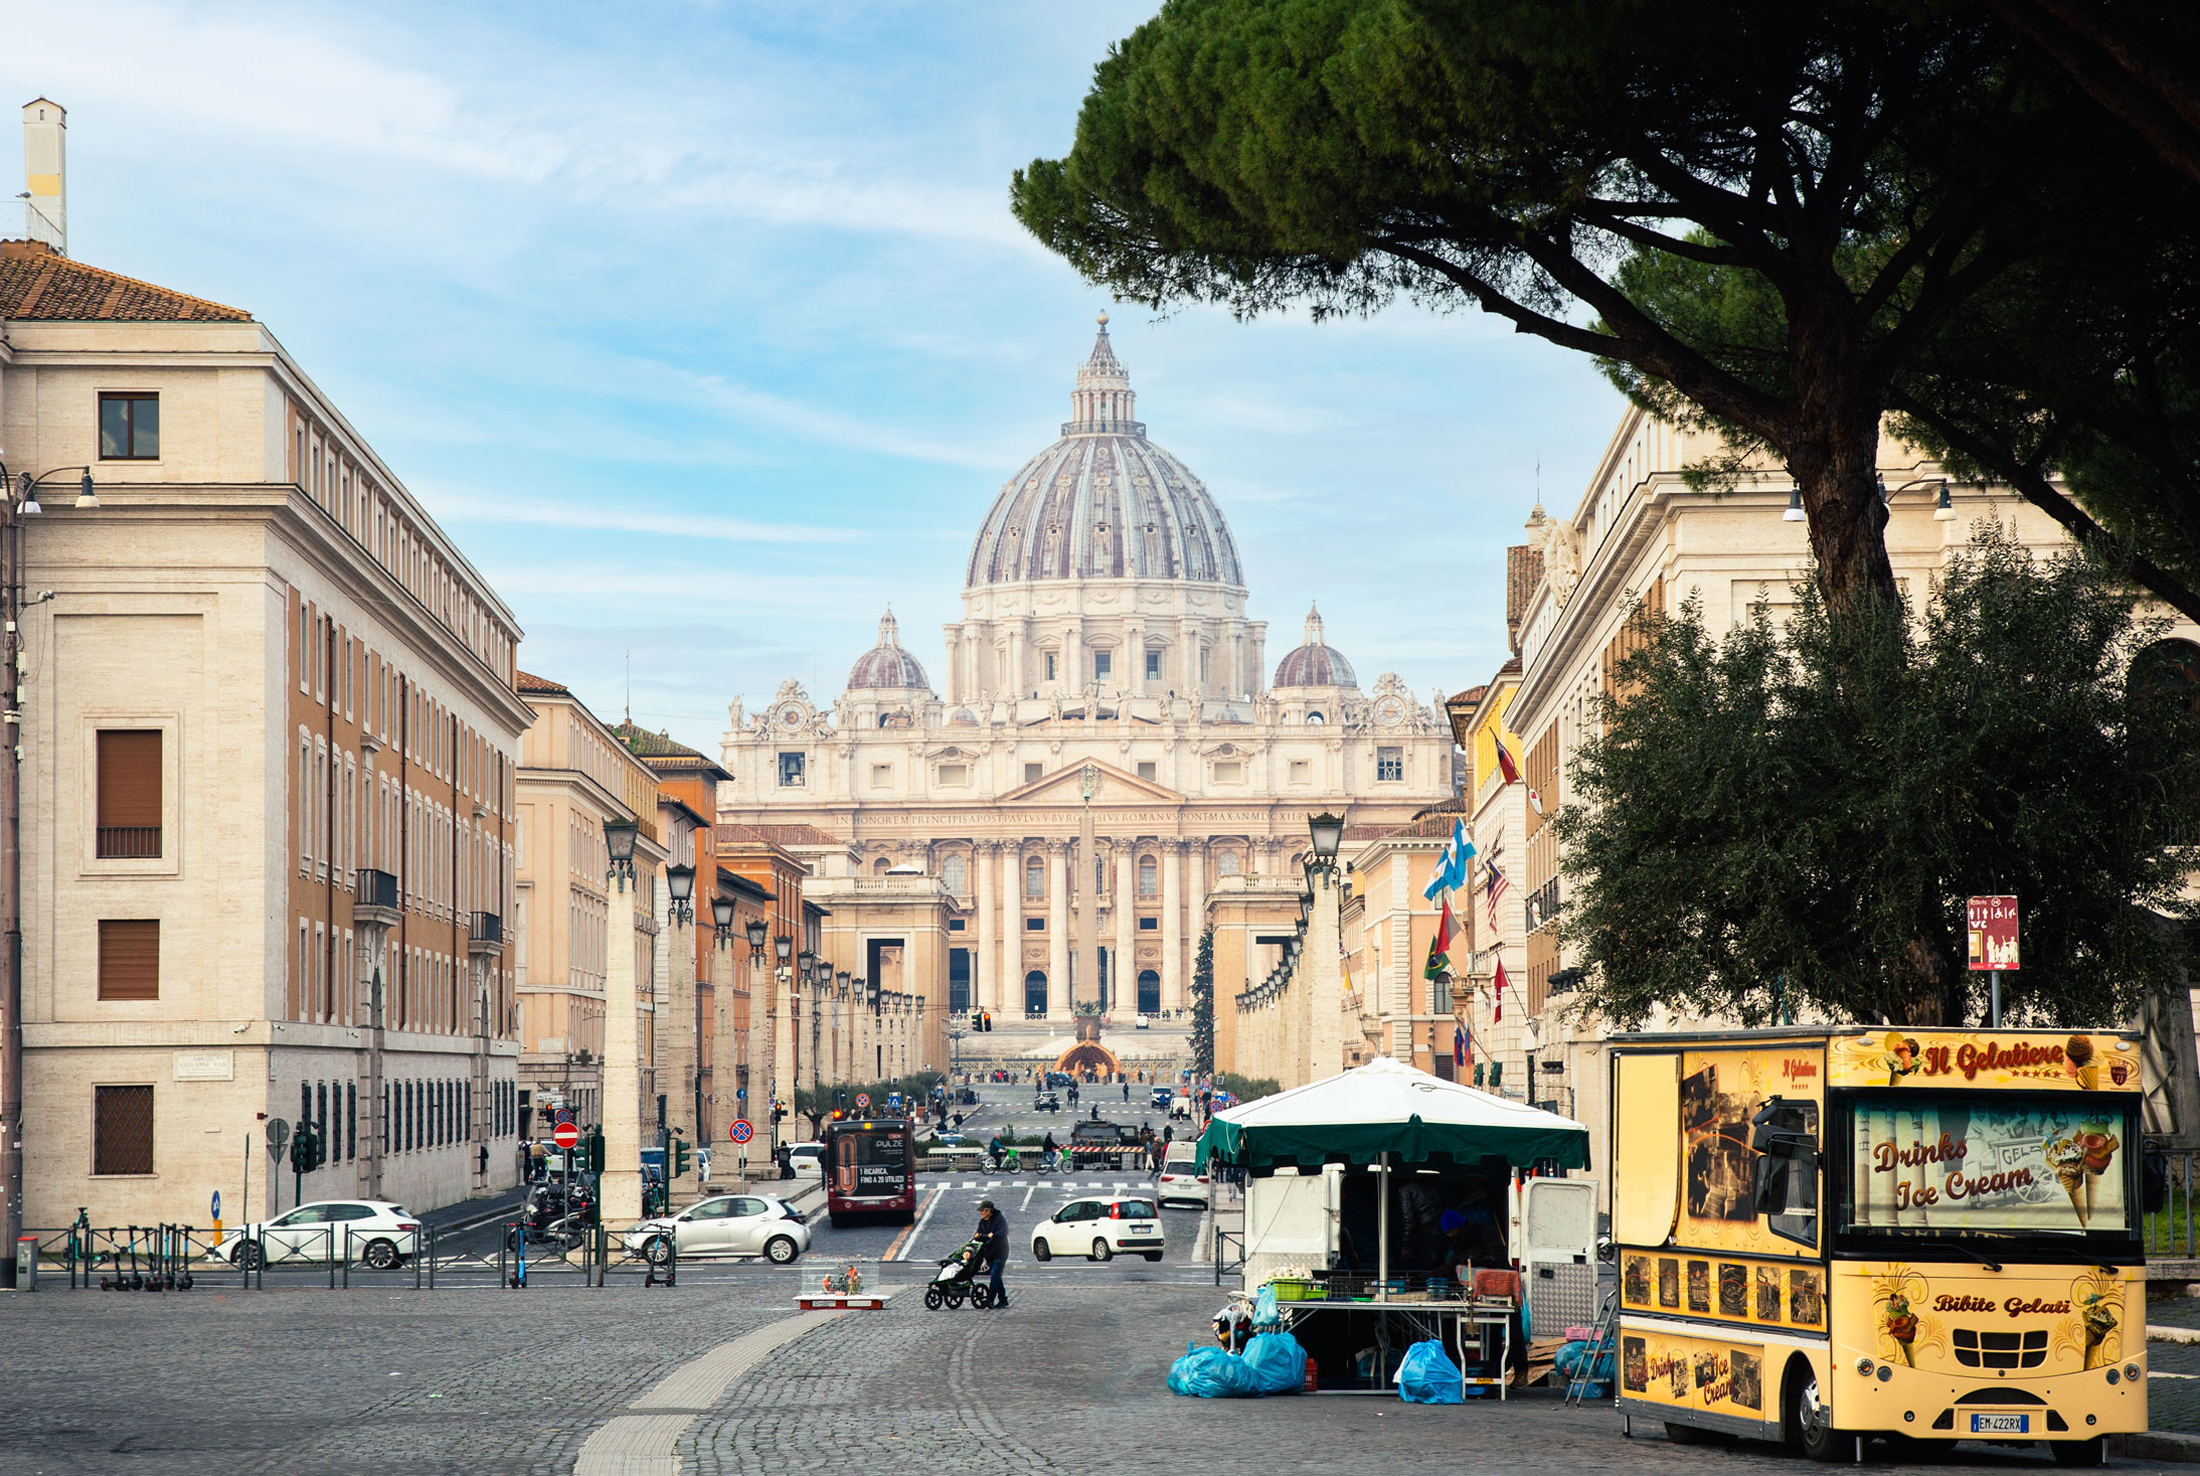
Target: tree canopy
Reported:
[(1796, 815), (1867, 169)]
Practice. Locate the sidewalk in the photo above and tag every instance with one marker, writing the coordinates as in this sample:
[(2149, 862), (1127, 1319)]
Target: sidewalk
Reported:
[(469, 1214)]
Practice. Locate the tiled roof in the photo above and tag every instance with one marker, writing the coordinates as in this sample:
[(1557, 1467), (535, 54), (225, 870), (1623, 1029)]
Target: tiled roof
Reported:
[(1467, 698), (1456, 805), (1523, 572), (527, 681), (38, 285), (642, 743)]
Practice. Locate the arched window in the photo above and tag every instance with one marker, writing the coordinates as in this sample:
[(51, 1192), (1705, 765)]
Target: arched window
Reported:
[(1227, 864), (1315, 720), (1035, 877), (956, 873), (881, 866), (1035, 993), (1149, 992), (1148, 882)]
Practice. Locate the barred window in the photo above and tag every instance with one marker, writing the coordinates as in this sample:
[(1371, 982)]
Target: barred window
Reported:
[(122, 1130)]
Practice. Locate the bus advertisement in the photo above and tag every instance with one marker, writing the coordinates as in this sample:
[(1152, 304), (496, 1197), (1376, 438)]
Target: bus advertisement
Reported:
[(1830, 1235), (870, 1170)]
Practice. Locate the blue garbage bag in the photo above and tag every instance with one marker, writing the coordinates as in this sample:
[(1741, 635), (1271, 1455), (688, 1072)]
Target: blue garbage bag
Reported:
[(1266, 1316), (1576, 1360), (1210, 1373), (1276, 1362), (1428, 1376)]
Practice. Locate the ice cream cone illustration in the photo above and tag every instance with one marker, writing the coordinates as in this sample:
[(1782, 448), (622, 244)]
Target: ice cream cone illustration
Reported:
[(1900, 1324), (2066, 1156), (2100, 1152), (2098, 1320), (2078, 1061)]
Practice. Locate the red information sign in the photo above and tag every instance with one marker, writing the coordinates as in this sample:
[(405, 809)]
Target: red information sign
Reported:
[(1992, 923), (565, 1135)]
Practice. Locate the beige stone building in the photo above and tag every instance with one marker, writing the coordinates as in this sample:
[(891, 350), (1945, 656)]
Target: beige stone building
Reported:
[(1108, 749), (268, 737), (575, 774)]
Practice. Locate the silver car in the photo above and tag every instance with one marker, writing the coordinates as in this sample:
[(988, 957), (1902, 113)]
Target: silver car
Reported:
[(728, 1225)]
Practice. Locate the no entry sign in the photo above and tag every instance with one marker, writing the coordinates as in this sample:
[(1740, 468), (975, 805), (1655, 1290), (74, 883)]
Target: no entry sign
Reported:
[(565, 1135), (740, 1132)]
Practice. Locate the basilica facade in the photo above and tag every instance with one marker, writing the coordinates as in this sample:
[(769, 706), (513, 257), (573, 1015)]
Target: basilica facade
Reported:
[(1106, 747)]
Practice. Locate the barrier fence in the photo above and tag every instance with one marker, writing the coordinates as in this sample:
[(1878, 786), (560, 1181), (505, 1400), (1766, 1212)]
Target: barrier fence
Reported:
[(2170, 1231)]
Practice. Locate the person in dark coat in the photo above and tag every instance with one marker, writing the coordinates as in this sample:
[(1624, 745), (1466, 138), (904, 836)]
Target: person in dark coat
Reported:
[(993, 1231)]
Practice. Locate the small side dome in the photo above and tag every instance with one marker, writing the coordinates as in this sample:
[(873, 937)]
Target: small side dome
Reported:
[(886, 666), (1314, 664)]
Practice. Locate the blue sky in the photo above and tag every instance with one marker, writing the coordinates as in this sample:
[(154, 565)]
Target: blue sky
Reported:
[(706, 332)]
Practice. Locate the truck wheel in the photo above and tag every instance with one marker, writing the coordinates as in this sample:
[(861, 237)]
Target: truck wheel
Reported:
[(1809, 1423)]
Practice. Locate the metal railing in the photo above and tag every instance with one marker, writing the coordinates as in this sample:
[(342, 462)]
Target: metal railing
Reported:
[(163, 1258), (488, 928), (1224, 1262), (2170, 1231), (375, 888), (591, 1253), (127, 842)]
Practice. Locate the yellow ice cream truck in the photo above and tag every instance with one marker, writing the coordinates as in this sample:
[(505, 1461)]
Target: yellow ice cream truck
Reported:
[(1828, 1236)]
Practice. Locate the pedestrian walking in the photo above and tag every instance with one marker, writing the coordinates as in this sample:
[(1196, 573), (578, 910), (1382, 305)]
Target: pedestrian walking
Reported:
[(1126, 1089), (993, 1232)]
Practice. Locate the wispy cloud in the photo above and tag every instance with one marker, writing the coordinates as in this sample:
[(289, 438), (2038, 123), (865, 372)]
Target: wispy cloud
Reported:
[(617, 514)]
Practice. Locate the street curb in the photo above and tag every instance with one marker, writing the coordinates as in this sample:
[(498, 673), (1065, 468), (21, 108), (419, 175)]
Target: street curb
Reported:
[(2157, 1333), (2156, 1445)]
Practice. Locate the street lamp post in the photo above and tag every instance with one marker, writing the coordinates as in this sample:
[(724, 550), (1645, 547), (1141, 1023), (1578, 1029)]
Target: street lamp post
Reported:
[(620, 1184), (18, 500)]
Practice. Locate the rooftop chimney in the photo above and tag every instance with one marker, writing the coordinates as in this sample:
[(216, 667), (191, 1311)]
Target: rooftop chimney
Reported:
[(46, 190)]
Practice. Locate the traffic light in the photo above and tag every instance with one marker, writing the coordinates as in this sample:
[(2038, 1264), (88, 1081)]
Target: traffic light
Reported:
[(681, 1155), (840, 1098), (838, 1115), (985, 1019), (779, 1112), (305, 1149), (592, 1152)]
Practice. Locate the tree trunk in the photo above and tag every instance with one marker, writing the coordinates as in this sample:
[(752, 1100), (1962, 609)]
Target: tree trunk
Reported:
[(1834, 458)]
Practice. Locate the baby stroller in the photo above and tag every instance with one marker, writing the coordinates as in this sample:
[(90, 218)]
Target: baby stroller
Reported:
[(957, 1278)]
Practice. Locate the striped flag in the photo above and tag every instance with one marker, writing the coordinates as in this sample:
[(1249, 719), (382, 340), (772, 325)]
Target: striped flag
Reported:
[(1494, 887), (1505, 764), (1439, 947), (1498, 987)]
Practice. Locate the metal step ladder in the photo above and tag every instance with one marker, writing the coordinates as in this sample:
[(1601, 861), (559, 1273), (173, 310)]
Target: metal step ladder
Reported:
[(1601, 1332)]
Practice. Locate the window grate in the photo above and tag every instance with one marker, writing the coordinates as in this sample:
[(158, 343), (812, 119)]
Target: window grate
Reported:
[(1978, 1349), (122, 1130)]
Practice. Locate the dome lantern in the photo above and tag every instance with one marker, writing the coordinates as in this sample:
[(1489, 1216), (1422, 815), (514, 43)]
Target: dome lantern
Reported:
[(1315, 663), (886, 665)]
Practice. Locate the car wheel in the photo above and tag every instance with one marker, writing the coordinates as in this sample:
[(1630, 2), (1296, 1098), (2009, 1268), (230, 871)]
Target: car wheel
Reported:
[(780, 1250), (657, 1250), (1101, 1250), (1041, 1251), (247, 1255), (1153, 1255), (380, 1254)]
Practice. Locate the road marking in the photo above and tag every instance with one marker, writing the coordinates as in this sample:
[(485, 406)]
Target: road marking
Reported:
[(910, 1232), (649, 1439), (1034, 1189)]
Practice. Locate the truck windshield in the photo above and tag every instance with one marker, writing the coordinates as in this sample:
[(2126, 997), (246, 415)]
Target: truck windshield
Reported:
[(1961, 1163)]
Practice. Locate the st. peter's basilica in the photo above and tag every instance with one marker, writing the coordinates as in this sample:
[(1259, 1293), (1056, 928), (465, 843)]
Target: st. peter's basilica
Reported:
[(1106, 747)]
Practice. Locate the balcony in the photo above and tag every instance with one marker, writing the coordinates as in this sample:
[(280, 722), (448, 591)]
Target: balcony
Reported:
[(127, 843), (487, 936), (374, 898)]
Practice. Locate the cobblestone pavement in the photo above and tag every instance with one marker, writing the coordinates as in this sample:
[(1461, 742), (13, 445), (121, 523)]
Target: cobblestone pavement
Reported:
[(2173, 1394), (1069, 1379), (1072, 1379)]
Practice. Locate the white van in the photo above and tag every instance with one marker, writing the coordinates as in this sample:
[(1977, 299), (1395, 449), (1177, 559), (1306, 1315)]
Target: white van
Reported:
[(1181, 1180)]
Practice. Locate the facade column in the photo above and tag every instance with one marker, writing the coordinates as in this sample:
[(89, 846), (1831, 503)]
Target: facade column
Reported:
[(1071, 677), (984, 969), (1126, 918), (1173, 983), (1009, 988), (1057, 930), (1195, 922), (1187, 645), (1019, 683)]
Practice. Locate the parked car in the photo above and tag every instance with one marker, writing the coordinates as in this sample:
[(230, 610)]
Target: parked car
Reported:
[(808, 1160), (1163, 1096), (372, 1231), (1181, 1181), (1099, 1228), (728, 1225)]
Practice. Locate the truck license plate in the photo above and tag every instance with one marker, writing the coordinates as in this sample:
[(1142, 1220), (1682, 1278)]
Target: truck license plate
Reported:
[(2001, 1424)]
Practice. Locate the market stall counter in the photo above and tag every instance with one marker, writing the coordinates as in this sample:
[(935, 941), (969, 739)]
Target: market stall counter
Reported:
[(1390, 1207)]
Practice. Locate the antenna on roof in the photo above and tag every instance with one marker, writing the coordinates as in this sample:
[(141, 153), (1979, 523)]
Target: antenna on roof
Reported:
[(630, 684)]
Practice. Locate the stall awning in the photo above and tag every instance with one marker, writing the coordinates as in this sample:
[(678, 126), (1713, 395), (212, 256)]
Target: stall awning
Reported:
[(1389, 1107)]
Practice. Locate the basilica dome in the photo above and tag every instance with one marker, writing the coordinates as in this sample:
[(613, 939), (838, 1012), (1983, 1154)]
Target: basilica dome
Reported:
[(1314, 663), (886, 665), (1103, 502)]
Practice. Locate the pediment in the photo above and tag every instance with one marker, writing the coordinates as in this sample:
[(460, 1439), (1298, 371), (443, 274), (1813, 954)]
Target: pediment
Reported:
[(1066, 786)]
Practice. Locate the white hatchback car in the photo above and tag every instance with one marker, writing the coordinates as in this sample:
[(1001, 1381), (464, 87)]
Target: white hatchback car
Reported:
[(807, 1160), (372, 1231), (1098, 1228), (728, 1225), (1181, 1181)]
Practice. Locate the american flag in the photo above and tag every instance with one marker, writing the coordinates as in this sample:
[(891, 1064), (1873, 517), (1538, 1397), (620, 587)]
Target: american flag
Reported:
[(1494, 887)]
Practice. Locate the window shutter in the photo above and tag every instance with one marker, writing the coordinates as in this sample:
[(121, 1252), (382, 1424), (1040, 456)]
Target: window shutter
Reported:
[(129, 958), (129, 792), (122, 1130)]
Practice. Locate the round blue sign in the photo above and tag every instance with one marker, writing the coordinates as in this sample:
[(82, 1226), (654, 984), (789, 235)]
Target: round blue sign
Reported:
[(741, 1092), (217, 1204)]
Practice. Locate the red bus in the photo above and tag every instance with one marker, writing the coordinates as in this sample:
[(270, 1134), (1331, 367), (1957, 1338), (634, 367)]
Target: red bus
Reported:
[(870, 1170)]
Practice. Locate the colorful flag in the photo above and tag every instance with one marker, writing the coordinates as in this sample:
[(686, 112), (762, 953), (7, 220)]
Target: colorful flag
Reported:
[(1505, 764), (1452, 863), (1459, 1045), (1498, 987), (1535, 801), (1439, 947), (1494, 887)]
